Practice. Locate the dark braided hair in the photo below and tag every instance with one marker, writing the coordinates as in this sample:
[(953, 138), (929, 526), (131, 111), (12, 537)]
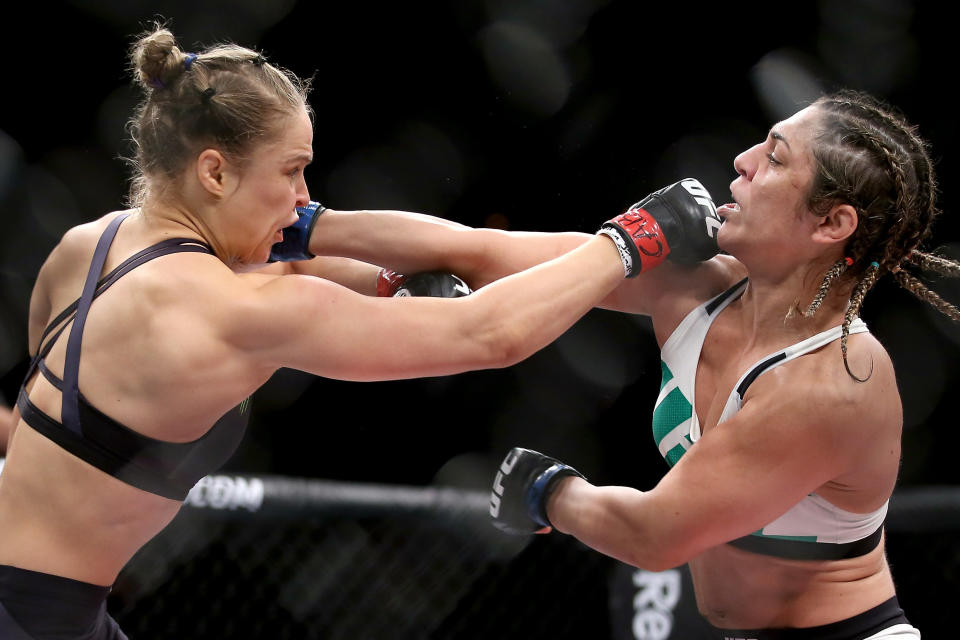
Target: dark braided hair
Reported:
[(226, 97), (868, 156)]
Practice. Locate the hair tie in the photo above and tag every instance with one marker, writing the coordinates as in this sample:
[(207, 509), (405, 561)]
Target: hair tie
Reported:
[(156, 83), (259, 60), (849, 261), (206, 94), (875, 264), (189, 61)]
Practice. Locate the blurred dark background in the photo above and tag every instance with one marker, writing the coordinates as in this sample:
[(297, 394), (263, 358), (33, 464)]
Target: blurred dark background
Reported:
[(544, 115), (523, 114)]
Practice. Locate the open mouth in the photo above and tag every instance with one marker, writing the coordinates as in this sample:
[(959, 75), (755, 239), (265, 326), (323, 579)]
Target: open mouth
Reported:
[(725, 209)]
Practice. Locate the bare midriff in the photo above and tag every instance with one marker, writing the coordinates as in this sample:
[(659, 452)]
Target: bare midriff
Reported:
[(738, 589), (63, 517)]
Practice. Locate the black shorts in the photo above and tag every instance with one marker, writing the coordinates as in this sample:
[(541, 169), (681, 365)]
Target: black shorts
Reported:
[(38, 606), (859, 627)]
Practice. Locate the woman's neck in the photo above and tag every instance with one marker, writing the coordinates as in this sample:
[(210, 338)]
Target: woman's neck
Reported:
[(778, 306), (168, 218)]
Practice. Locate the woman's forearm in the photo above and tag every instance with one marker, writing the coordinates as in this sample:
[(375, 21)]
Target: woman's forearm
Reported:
[(411, 242), (620, 522)]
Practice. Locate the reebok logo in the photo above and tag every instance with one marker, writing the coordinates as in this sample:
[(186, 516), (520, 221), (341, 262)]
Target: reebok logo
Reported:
[(658, 594)]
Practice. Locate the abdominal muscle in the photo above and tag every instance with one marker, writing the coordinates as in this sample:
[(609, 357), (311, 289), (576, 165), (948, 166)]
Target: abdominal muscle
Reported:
[(738, 589), (61, 516)]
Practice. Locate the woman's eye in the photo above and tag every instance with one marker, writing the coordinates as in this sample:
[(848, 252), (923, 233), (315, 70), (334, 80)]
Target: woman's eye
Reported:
[(772, 158)]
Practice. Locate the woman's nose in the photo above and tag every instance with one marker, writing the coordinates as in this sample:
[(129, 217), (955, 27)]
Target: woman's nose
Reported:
[(303, 194), (745, 163)]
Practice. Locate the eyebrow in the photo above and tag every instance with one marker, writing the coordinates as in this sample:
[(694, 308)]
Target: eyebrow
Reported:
[(306, 157), (779, 136)]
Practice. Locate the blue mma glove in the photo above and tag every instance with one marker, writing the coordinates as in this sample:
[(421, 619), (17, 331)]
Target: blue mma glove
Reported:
[(521, 489), (296, 238)]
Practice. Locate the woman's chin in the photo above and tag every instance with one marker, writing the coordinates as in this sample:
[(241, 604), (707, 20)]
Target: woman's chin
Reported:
[(251, 262), (724, 240)]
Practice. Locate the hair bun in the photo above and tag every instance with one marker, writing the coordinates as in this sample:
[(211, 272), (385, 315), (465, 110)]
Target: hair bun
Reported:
[(156, 58)]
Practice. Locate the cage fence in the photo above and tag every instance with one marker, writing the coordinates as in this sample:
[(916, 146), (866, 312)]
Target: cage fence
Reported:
[(294, 558)]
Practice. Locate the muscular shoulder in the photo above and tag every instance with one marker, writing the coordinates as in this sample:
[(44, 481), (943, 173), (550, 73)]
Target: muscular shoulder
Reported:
[(815, 402), (76, 247), (60, 275), (196, 284), (83, 237), (192, 306)]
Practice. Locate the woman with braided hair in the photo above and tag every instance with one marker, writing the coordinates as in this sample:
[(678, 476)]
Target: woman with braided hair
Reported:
[(778, 414), (892, 225)]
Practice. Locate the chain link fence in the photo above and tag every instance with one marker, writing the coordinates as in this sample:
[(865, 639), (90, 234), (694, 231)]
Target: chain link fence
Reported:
[(282, 558)]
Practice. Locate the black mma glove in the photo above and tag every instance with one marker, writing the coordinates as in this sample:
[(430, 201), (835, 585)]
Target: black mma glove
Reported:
[(296, 238), (435, 284), (679, 221), (521, 488)]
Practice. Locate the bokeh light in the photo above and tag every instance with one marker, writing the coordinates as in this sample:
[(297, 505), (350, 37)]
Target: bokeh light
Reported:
[(544, 115)]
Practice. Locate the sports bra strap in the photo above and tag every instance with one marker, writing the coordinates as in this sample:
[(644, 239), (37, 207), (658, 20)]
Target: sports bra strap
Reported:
[(70, 396), (49, 375), (58, 324), (170, 245), (42, 352)]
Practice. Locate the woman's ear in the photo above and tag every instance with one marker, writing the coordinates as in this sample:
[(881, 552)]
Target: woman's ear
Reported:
[(838, 225), (210, 169)]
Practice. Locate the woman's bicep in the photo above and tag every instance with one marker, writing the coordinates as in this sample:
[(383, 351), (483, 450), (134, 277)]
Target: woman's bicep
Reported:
[(321, 327), (502, 253), (409, 243), (749, 470), (405, 242), (355, 275)]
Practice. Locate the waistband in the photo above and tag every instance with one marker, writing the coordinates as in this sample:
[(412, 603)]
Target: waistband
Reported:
[(48, 603), (863, 625), (15, 582)]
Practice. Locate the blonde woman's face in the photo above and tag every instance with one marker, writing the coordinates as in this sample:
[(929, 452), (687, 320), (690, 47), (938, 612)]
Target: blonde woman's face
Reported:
[(270, 188)]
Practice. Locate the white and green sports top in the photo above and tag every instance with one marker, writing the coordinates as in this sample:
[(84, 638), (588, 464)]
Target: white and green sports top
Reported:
[(811, 529)]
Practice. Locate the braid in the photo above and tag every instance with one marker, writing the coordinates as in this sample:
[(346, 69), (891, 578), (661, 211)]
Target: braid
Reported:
[(935, 263), (917, 288), (838, 268), (869, 157), (853, 310), (883, 169), (897, 225)]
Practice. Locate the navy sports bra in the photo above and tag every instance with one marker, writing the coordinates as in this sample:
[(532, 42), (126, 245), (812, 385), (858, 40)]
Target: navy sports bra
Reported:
[(168, 469)]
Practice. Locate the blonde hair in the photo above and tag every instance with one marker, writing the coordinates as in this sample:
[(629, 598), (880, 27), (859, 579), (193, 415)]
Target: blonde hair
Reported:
[(226, 97)]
